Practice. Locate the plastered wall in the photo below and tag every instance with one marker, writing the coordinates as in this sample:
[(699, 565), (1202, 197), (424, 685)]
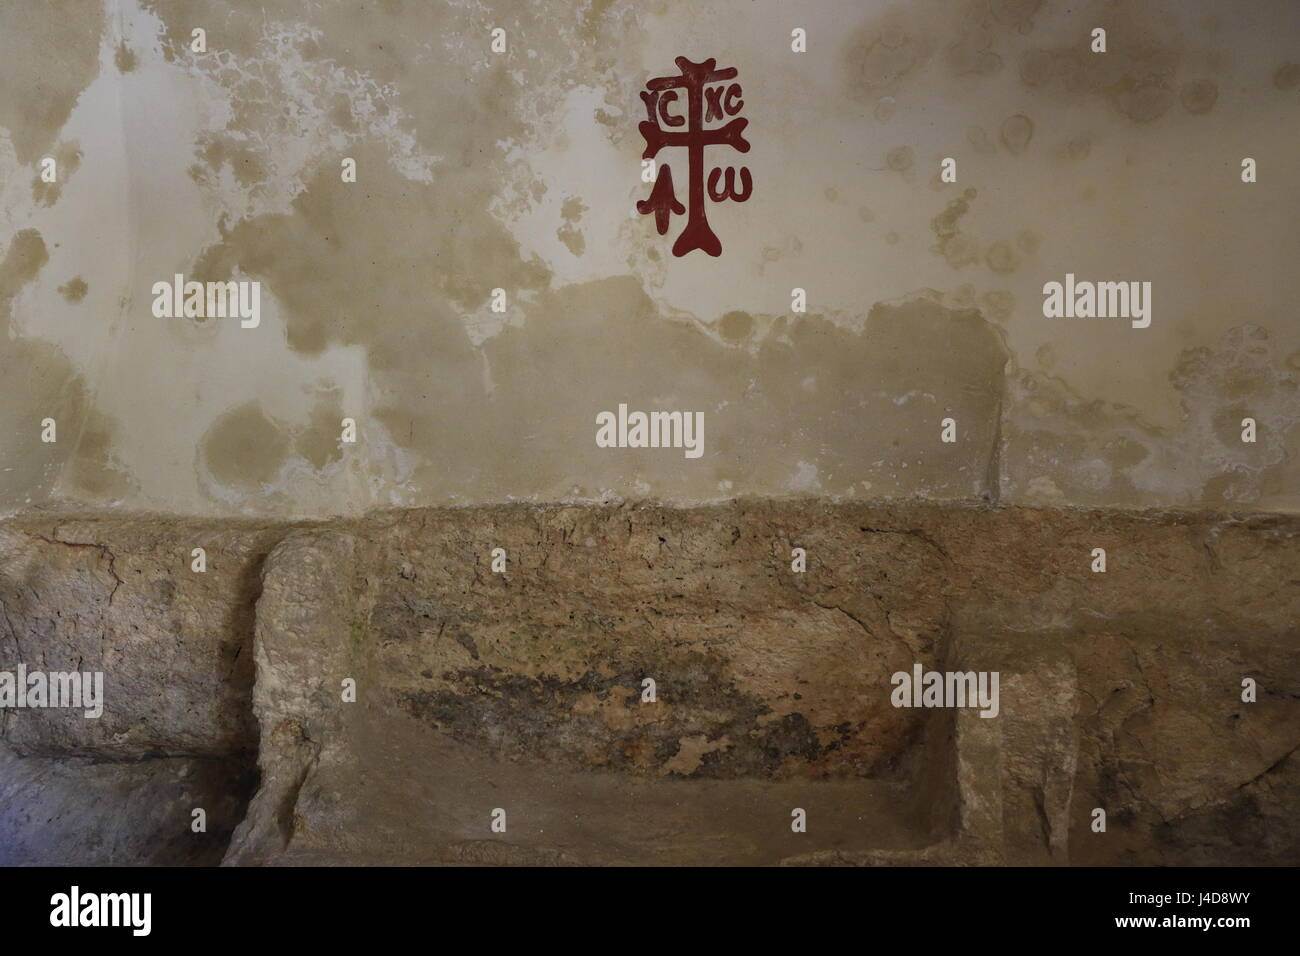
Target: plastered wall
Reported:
[(520, 171)]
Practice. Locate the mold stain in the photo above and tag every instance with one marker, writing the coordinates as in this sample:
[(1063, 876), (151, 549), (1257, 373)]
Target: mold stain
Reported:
[(1016, 132), (1016, 14), (399, 286), (1199, 96), (92, 472), (569, 233), (1078, 148), (67, 158), (885, 50), (973, 55), (736, 327), (1287, 76), (319, 442), (1001, 258), (958, 249), (244, 449), (1137, 75), (900, 159), (979, 138), (124, 58), (570, 349), (998, 304), (1097, 452), (43, 76), (74, 290), (36, 381)]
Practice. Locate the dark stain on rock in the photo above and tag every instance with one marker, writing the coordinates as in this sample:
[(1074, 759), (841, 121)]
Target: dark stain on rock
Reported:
[(515, 716), (466, 640)]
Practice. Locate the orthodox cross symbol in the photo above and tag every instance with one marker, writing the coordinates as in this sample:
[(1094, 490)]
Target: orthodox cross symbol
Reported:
[(704, 104)]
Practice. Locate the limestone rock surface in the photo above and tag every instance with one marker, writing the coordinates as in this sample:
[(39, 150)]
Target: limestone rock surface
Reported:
[(523, 695)]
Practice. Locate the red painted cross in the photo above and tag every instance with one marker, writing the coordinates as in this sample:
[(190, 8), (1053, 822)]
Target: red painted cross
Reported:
[(659, 97)]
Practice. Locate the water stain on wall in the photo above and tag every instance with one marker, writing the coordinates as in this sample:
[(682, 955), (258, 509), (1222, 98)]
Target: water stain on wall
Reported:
[(244, 448), (1080, 450), (397, 269), (36, 382), (1199, 96), (954, 245), (569, 233), (67, 159), (93, 472), (37, 99), (124, 58), (1016, 132), (1138, 72), (74, 290), (319, 442)]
